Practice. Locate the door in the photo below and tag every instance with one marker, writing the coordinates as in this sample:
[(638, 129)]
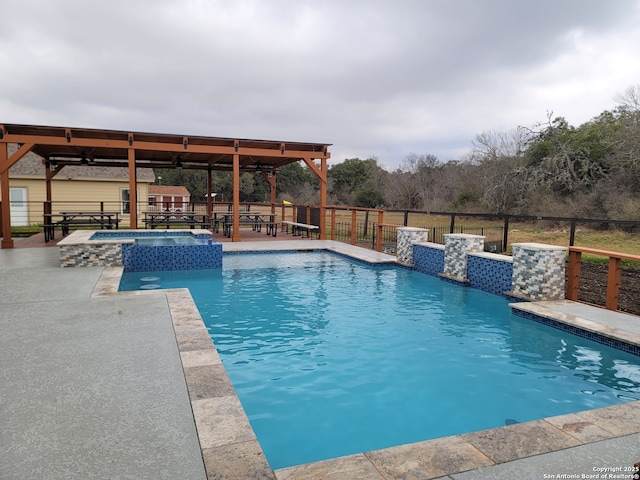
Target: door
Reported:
[(167, 203), (177, 204), (18, 206)]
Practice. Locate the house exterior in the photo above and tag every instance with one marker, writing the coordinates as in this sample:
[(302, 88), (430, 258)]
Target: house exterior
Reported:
[(168, 198), (73, 188)]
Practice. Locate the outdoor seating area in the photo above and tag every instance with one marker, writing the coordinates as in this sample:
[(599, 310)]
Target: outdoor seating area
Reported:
[(256, 220), (67, 220), (168, 219)]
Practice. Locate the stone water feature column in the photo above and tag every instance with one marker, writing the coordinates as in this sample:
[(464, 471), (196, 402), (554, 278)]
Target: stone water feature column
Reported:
[(538, 271), (406, 236), (456, 247)]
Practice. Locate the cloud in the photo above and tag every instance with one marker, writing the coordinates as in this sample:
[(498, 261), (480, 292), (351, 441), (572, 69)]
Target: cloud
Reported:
[(374, 78)]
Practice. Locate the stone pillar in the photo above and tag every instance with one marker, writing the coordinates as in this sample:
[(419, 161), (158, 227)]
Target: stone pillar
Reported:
[(538, 271), (406, 236), (456, 247)]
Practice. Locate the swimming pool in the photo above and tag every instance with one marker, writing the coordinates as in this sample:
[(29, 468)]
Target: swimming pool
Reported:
[(331, 357)]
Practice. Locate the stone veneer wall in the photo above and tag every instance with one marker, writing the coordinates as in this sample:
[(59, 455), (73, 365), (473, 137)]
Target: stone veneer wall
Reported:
[(538, 271), (91, 255), (456, 248), (406, 236), (490, 272)]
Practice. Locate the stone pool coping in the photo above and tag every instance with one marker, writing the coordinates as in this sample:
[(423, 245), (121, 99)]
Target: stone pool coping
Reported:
[(79, 237), (230, 448)]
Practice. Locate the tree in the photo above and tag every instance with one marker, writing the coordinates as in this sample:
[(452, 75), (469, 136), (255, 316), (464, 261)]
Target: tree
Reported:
[(414, 184), (369, 196), (348, 178), (500, 165), (493, 144), (298, 183), (629, 100), (564, 159)]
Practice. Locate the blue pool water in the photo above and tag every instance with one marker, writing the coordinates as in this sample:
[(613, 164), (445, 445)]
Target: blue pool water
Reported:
[(332, 357), (171, 240), (157, 237)]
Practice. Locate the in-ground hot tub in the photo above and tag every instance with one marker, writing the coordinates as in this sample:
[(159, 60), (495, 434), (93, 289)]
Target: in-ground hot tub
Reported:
[(141, 250)]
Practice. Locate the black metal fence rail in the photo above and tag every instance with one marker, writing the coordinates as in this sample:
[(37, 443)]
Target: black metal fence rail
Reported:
[(500, 245)]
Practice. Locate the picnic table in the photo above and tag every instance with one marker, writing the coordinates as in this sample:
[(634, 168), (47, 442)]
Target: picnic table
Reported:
[(256, 219), (65, 220), (158, 219)]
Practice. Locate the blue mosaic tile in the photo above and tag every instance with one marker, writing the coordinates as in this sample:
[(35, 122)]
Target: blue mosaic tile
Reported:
[(490, 275), (148, 258), (428, 260)]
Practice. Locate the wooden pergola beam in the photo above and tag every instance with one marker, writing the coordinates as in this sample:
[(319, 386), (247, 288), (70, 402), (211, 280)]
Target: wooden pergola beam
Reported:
[(109, 148)]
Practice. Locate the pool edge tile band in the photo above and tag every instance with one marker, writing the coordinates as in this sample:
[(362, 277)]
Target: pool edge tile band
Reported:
[(520, 310)]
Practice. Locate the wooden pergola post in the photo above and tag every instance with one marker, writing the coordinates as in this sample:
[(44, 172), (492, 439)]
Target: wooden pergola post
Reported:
[(7, 241), (321, 173), (236, 198), (133, 190), (209, 188), (274, 192), (323, 199), (6, 162)]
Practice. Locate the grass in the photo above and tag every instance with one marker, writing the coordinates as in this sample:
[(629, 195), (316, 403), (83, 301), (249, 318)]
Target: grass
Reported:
[(613, 241), (25, 231)]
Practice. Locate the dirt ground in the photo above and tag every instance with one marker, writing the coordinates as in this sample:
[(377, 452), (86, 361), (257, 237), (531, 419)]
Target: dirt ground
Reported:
[(593, 286)]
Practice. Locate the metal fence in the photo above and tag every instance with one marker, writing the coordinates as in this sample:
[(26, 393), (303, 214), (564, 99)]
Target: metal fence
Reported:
[(499, 230)]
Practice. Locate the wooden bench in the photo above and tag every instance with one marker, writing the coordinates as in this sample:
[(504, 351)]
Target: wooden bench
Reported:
[(300, 228)]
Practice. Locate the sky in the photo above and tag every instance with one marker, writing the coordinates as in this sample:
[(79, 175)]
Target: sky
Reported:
[(375, 79)]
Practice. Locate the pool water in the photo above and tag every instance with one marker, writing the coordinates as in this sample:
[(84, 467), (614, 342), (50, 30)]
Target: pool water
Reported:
[(331, 357), (154, 237), (171, 240)]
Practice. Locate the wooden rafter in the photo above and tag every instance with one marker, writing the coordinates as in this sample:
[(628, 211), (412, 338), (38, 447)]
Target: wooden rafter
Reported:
[(113, 148)]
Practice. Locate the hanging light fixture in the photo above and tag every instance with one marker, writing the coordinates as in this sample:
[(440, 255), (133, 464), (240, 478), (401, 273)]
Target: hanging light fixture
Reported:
[(83, 159), (178, 163)]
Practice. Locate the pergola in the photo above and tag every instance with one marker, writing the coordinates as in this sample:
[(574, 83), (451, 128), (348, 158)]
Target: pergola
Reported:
[(60, 146)]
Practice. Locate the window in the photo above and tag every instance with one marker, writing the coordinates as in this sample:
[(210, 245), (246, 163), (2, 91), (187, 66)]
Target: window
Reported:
[(125, 199)]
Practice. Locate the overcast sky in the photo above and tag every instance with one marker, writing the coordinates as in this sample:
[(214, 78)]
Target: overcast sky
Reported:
[(374, 78)]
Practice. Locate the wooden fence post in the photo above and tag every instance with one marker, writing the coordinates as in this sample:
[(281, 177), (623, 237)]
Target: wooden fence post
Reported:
[(575, 259), (613, 283), (353, 226)]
